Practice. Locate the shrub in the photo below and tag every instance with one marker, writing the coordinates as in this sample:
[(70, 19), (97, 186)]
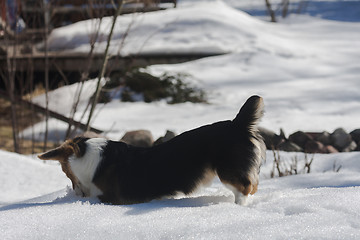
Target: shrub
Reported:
[(138, 85)]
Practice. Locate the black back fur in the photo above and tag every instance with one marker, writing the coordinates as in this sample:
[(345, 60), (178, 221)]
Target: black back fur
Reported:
[(130, 174)]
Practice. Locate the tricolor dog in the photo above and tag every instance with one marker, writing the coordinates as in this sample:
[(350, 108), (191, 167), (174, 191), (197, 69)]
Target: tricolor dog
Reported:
[(119, 173)]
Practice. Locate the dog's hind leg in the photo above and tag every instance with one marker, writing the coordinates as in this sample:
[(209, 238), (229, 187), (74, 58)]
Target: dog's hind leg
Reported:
[(240, 178), (240, 192), (241, 184)]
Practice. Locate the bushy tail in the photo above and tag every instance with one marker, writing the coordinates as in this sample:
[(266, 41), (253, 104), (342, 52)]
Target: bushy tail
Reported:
[(250, 114), (247, 120), (251, 145)]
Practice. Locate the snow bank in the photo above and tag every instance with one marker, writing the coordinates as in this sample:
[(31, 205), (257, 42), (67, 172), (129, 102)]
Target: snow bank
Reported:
[(305, 68), (320, 205), (24, 177), (203, 27)]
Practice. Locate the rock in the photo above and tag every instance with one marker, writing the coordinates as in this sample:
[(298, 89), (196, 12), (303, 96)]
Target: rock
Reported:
[(330, 149), (282, 133), (289, 146), (351, 147), (356, 135), (90, 134), (324, 138), (313, 146), (138, 138), (358, 146), (168, 135), (340, 139), (300, 138), (271, 139)]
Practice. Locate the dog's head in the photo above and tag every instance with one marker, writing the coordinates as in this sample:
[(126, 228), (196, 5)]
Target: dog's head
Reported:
[(76, 147)]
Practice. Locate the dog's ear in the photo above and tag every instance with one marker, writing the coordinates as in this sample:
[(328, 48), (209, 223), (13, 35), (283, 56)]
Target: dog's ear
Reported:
[(61, 153)]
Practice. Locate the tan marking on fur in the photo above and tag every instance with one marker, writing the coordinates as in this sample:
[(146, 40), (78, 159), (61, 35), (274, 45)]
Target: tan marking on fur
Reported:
[(62, 155), (75, 147), (245, 190), (65, 166), (254, 189)]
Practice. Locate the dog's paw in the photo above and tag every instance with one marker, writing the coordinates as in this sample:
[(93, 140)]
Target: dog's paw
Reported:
[(241, 199)]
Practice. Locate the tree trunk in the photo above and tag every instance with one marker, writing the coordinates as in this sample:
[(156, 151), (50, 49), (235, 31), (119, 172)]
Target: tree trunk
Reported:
[(271, 12)]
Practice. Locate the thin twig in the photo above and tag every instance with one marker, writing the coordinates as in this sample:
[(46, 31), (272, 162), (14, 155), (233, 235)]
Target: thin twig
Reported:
[(10, 87), (105, 61), (84, 76), (46, 19)]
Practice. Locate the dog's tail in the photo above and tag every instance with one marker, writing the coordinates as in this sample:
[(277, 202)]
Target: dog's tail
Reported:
[(250, 114), (247, 121)]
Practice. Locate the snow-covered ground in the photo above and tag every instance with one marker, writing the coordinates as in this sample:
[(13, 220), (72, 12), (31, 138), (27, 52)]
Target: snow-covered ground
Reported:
[(305, 67), (36, 204)]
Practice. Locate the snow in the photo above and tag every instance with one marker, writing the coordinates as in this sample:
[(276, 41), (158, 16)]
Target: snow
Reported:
[(306, 69), (319, 205), (23, 178)]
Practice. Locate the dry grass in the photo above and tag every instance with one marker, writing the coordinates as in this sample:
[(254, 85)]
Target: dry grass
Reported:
[(283, 168), (25, 118)]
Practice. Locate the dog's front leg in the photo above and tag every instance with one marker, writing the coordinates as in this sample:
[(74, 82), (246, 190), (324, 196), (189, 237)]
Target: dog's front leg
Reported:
[(79, 191)]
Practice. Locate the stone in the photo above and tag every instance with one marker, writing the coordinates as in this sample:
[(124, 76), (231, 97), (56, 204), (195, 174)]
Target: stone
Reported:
[(282, 133), (313, 146), (271, 139), (324, 138), (168, 135), (356, 135), (138, 138), (340, 139), (330, 149), (289, 146), (358, 147), (90, 134), (300, 138), (351, 147)]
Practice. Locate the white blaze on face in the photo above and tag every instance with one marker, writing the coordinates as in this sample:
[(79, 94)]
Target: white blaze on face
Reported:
[(84, 167)]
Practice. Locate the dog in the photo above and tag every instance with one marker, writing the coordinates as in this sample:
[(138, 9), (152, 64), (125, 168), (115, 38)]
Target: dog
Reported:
[(118, 173)]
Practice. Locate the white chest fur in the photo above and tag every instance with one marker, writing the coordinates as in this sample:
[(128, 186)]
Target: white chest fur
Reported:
[(84, 168)]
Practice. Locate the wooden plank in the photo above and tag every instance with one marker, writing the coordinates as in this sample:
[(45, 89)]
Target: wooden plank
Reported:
[(76, 62)]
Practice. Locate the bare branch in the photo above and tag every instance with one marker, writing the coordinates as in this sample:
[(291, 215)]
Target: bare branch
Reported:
[(102, 72)]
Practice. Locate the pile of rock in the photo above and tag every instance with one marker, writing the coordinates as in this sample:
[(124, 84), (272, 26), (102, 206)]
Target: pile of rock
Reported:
[(313, 142), (309, 142)]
